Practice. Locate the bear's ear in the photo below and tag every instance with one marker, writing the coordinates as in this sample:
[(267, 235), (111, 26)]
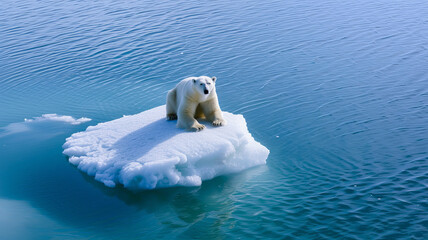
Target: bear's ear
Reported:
[(214, 79)]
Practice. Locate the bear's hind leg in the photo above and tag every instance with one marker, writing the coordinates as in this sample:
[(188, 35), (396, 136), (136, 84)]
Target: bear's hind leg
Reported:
[(171, 116), (171, 105)]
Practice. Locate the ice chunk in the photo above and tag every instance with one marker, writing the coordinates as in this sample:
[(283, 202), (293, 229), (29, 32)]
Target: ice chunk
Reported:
[(59, 118), (144, 151), (28, 124)]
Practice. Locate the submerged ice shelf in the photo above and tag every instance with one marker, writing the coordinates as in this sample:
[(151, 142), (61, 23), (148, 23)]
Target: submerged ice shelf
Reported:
[(144, 151)]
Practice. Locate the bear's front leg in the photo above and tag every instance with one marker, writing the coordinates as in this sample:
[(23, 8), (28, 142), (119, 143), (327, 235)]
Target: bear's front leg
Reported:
[(213, 113), (218, 119), (186, 119)]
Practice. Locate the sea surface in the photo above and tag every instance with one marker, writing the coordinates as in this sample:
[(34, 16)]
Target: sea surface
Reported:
[(337, 90)]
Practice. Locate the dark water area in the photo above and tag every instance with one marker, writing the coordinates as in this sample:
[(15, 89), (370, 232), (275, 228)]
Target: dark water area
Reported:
[(337, 90)]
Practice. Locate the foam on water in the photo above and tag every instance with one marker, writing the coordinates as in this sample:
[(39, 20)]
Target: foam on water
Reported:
[(144, 151)]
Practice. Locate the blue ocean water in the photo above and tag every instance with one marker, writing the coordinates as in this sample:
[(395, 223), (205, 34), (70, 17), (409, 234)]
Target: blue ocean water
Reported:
[(337, 90)]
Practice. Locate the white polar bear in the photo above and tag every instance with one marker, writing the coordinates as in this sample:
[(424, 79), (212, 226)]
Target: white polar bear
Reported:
[(194, 97)]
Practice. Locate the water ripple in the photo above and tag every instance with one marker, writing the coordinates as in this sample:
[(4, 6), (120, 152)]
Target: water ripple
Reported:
[(336, 90)]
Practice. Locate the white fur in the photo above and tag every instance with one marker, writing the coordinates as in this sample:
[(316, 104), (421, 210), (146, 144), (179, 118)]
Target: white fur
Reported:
[(194, 97)]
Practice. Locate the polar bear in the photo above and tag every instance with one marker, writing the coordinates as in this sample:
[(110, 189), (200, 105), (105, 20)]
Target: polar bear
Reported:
[(194, 97)]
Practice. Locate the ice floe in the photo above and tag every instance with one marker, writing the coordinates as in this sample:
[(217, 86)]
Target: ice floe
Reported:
[(144, 151)]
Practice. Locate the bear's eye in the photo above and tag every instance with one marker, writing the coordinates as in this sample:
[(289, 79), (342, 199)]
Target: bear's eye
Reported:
[(202, 84), (209, 83)]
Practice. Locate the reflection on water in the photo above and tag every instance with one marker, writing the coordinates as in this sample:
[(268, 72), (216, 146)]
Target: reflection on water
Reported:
[(180, 207)]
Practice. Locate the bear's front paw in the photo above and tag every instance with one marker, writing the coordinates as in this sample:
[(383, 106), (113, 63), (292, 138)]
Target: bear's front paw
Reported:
[(219, 122), (197, 127), (171, 116)]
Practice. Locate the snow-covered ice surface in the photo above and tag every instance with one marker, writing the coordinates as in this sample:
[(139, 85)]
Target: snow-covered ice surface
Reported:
[(144, 151)]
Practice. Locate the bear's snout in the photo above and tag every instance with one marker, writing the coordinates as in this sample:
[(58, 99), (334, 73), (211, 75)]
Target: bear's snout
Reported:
[(206, 91)]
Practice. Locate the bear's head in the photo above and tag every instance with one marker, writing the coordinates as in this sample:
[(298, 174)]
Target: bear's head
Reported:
[(204, 85)]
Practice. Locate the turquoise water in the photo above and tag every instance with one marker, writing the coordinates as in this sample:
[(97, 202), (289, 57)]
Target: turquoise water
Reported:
[(337, 90)]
